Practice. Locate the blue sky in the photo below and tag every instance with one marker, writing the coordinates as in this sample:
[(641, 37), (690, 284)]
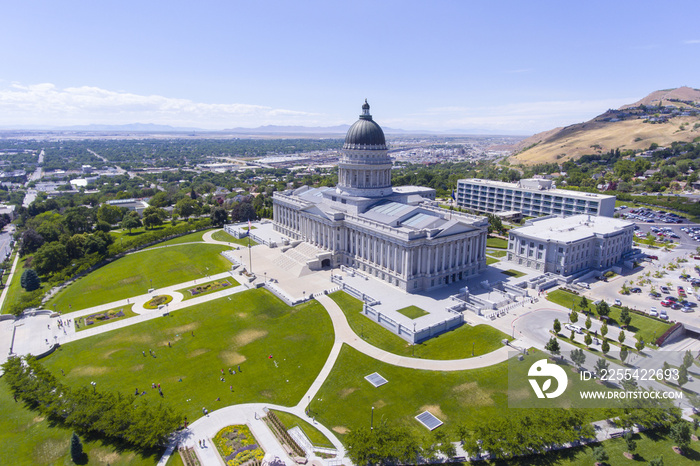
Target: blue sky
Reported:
[(509, 66)]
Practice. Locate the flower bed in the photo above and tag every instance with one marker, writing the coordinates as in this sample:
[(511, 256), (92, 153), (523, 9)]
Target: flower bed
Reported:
[(158, 301), (209, 287), (236, 445), (101, 316)]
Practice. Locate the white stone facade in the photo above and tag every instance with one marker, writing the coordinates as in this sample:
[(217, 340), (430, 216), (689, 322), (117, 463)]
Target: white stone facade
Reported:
[(570, 245)]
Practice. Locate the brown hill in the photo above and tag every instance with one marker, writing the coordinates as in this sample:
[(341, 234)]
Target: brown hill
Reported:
[(629, 127)]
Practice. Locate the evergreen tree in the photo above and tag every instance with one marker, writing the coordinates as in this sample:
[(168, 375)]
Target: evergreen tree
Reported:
[(553, 346), (680, 434), (557, 326), (588, 339), (573, 317), (30, 280), (605, 347), (76, 449)]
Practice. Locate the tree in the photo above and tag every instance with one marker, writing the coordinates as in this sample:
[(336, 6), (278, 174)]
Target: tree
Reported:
[(600, 455), (604, 329), (601, 365), (30, 242), (557, 326), (621, 337), (640, 344), (682, 376), (588, 322), (110, 214), (153, 216), (631, 444), (625, 317), (624, 353), (553, 346), (131, 221), (101, 225), (603, 309), (30, 280), (573, 317), (688, 359), (588, 339), (186, 207), (680, 434), (583, 303), (51, 257), (76, 449), (578, 356), (605, 347), (219, 216), (658, 461)]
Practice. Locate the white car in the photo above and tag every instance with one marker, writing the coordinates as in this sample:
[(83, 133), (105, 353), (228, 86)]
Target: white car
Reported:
[(617, 303), (653, 312), (663, 314)]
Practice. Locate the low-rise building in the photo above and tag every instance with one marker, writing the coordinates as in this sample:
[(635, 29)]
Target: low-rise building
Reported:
[(570, 245), (531, 197)]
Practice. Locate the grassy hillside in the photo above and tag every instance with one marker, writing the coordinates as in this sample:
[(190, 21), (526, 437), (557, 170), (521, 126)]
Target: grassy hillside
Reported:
[(601, 137)]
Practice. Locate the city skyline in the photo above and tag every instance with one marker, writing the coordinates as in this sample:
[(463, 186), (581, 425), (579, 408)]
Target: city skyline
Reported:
[(510, 68)]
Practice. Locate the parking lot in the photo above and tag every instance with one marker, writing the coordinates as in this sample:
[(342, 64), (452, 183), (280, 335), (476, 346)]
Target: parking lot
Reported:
[(664, 226)]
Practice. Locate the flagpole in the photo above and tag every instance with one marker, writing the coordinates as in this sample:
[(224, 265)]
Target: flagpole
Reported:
[(250, 257)]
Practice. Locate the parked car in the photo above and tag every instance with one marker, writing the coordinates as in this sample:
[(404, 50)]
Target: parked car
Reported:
[(676, 306), (666, 303), (653, 312), (687, 309), (665, 290), (663, 315), (671, 298), (617, 303), (655, 294), (636, 290)]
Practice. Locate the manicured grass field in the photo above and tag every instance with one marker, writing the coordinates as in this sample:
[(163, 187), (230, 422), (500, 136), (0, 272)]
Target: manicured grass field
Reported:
[(96, 323), (221, 235), (513, 273), (497, 243), (13, 294), (345, 400), (135, 273), (26, 438), (496, 252), (491, 260), (205, 339), (455, 344), (191, 238), (640, 326), (412, 312), (315, 436), (188, 295)]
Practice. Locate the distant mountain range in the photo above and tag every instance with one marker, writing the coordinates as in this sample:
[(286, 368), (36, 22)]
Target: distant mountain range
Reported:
[(268, 130), (662, 117)]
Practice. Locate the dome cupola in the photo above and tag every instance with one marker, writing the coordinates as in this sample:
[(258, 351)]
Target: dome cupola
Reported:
[(365, 134)]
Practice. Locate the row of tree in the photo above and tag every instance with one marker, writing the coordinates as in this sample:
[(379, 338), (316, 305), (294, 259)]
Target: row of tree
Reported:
[(111, 416)]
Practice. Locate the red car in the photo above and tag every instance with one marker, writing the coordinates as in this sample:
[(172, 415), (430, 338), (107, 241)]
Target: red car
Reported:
[(665, 303)]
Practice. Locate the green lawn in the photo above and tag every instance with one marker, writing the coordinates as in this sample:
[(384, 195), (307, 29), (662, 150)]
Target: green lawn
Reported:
[(15, 291), (188, 295), (190, 238), (650, 445), (26, 438), (315, 436), (455, 344), (412, 312), (135, 273), (491, 260), (345, 400), (497, 243), (205, 339), (96, 323), (496, 252), (640, 325), (221, 235), (513, 273)]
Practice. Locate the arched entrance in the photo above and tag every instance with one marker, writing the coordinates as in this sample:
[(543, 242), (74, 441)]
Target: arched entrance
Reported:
[(326, 263)]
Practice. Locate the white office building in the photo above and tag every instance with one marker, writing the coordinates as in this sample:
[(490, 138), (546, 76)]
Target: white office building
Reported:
[(531, 197), (397, 234), (570, 245)]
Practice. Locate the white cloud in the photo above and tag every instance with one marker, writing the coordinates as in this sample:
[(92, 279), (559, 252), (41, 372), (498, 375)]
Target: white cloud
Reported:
[(525, 117), (692, 41), (46, 104)]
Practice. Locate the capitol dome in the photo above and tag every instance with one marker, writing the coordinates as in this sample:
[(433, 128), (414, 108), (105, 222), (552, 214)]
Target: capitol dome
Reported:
[(365, 133)]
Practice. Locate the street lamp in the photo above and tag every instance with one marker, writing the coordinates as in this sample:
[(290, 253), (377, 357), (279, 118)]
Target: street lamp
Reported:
[(473, 343), (371, 421), (265, 276), (94, 387), (413, 346)]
